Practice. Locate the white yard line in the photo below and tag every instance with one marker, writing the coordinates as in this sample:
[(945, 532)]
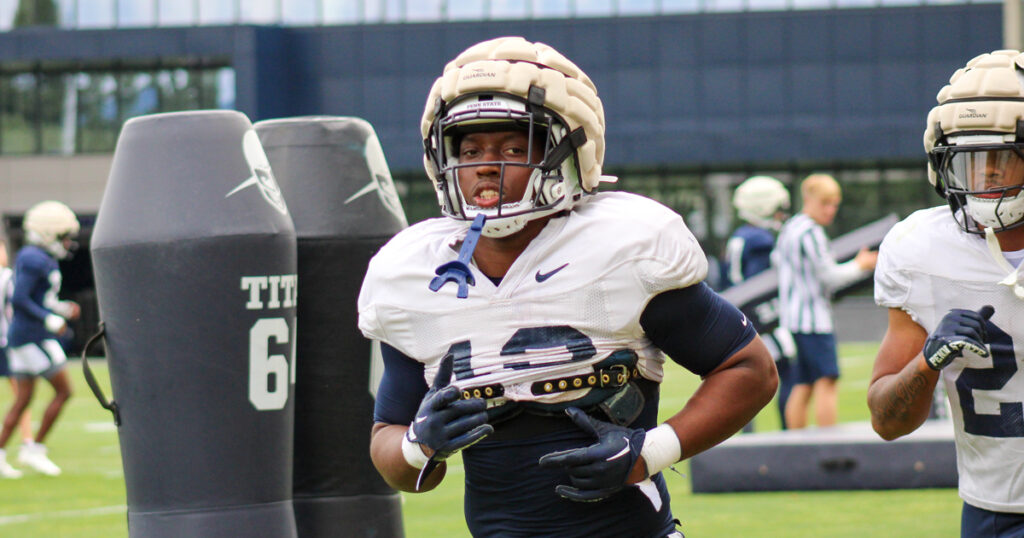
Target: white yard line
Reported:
[(98, 511)]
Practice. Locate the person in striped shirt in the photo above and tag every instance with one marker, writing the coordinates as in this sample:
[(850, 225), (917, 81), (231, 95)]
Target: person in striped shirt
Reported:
[(808, 273)]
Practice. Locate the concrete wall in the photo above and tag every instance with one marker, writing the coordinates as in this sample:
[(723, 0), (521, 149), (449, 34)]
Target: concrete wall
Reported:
[(75, 180)]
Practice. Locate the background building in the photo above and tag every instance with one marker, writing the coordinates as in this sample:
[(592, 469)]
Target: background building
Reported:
[(699, 94)]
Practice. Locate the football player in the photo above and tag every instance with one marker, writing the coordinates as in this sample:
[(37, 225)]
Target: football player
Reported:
[(527, 327), (39, 318), (6, 289), (762, 203), (949, 277)]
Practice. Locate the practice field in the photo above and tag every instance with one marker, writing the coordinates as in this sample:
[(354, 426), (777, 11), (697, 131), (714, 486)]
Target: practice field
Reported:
[(88, 499)]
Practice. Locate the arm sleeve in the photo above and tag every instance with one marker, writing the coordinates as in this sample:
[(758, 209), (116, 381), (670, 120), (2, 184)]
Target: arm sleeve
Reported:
[(25, 277), (401, 388), (833, 275), (696, 327)]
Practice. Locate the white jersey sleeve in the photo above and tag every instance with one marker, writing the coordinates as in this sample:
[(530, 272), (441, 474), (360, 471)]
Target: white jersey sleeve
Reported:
[(571, 299), (927, 266)]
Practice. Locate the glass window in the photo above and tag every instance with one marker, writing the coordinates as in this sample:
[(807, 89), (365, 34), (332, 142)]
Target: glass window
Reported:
[(136, 13), (681, 6), (394, 10), (811, 4), (7, 9), (637, 7), (57, 113), (96, 14), (767, 5), (373, 11), (139, 94), (18, 132), (725, 5), (509, 9), (468, 9), (299, 12), (423, 10), (213, 13), (260, 11), (595, 7), (340, 12), (225, 88), (176, 13), (855, 3), (177, 90), (208, 87), (550, 8), (98, 112), (66, 13)]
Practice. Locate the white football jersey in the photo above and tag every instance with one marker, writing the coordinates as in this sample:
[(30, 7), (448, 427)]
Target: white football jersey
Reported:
[(572, 298), (927, 266)]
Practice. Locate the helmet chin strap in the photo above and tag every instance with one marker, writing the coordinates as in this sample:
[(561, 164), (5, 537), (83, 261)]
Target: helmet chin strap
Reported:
[(1012, 279)]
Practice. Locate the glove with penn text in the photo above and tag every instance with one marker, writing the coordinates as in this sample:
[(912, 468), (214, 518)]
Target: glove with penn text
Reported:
[(958, 330), (445, 423), (601, 469)]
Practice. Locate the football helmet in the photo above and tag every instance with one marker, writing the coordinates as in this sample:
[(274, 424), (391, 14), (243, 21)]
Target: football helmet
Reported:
[(47, 224), (510, 83), (975, 142), (758, 199)]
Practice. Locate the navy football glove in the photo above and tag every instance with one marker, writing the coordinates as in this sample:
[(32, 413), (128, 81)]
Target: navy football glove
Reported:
[(599, 470), (446, 423), (958, 330)]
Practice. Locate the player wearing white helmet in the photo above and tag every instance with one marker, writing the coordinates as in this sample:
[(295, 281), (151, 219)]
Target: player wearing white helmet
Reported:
[(949, 277), (762, 202), (527, 327), (38, 318)]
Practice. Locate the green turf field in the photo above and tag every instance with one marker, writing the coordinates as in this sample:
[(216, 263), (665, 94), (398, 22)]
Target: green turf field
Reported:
[(88, 500)]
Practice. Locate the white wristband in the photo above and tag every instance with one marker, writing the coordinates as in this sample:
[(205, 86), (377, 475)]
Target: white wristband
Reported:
[(661, 449), (414, 455)]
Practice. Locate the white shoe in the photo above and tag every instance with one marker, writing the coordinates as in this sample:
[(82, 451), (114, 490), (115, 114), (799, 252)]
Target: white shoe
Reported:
[(34, 456), (6, 471)]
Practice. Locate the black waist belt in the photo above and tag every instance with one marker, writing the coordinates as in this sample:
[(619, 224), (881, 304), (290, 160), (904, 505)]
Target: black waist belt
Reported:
[(612, 377)]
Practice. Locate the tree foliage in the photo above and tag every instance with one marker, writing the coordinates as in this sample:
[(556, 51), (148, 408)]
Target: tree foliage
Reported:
[(35, 13)]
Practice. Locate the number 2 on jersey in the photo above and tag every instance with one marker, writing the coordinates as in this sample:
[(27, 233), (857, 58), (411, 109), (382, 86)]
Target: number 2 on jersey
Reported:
[(1010, 420)]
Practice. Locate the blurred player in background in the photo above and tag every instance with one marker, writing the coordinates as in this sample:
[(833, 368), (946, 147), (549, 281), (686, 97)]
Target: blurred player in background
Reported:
[(956, 304), (532, 339), (808, 273), (39, 318), (762, 203), (6, 290)]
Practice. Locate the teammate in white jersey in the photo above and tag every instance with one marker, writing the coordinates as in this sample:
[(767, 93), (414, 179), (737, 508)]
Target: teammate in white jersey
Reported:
[(532, 339), (950, 281)]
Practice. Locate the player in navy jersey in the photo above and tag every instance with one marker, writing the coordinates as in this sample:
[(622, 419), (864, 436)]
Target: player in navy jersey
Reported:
[(761, 202), (529, 327), (39, 317)]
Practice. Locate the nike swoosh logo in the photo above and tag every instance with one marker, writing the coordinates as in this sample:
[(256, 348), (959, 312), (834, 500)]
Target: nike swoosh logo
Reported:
[(622, 452), (744, 320), (541, 277)]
